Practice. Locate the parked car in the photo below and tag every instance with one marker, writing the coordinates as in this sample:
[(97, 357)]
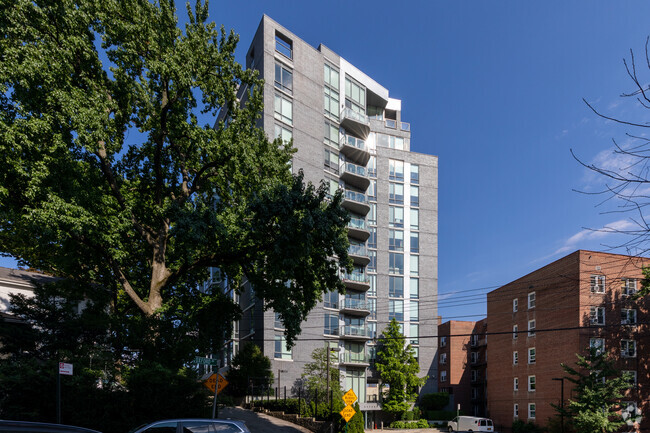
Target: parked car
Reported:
[(194, 425), (470, 424), (40, 427)]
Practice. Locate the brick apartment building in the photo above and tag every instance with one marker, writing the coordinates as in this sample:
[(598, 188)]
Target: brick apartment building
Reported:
[(546, 317), (462, 359)]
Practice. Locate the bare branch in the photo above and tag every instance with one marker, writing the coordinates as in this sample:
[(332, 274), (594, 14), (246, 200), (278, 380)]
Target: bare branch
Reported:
[(614, 119)]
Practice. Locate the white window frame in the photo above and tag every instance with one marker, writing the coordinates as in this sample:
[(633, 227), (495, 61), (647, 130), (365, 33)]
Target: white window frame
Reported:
[(532, 410), (597, 284), (515, 332), (629, 289), (597, 343), (473, 357), (515, 410), (443, 376), (625, 316), (532, 383), (531, 329), (633, 374), (628, 348), (597, 316), (515, 305), (282, 115), (515, 384), (531, 300), (515, 358), (532, 355), (443, 358), (474, 340), (443, 341)]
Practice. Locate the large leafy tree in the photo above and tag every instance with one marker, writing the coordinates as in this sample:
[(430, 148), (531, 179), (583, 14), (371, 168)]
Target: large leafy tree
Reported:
[(315, 376), (598, 388), (130, 164), (398, 369), (248, 366)]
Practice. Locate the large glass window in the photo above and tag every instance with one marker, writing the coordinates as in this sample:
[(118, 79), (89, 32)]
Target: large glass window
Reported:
[(281, 350), (331, 77), (331, 299), (372, 240), (396, 170), (414, 311), (415, 242), (415, 219), (390, 141), (372, 265), (372, 215), (395, 240), (372, 167), (414, 288), (396, 310), (414, 333), (331, 324), (372, 307), (331, 99), (284, 133), (356, 380), (283, 78), (396, 193), (415, 266), (396, 263), (395, 287), (283, 45), (331, 160), (331, 135), (277, 321), (355, 96), (372, 190), (415, 174), (396, 216), (283, 109), (415, 196), (372, 291)]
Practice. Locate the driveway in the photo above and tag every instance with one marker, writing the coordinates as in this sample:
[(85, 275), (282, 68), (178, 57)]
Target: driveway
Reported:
[(259, 422)]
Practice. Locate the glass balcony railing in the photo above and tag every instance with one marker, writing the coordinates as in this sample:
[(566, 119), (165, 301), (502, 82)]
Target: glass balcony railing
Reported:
[(356, 331), (359, 170), (356, 304), (356, 196), (358, 223), (357, 250), (349, 113), (359, 277), (391, 123), (405, 126), (352, 141), (355, 358)]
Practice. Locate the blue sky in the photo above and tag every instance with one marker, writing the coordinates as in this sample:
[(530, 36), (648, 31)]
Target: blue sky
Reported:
[(495, 90)]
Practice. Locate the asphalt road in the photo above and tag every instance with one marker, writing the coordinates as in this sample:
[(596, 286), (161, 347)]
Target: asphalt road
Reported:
[(261, 423)]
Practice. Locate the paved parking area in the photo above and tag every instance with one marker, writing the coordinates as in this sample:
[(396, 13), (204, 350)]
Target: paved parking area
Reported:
[(261, 423)]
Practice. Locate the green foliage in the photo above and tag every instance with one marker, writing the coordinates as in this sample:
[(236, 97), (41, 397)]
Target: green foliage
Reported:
[(422, 423), (442, 415), (599, 386), (434, 401), (355, 425), (314, 377), (249, 362), (398, 369), (520, 426)]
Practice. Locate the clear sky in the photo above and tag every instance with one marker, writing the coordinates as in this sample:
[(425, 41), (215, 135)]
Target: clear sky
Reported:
[(495, 90)]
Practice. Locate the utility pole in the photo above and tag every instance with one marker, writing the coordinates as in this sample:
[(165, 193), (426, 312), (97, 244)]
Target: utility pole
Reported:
[(561, 379), (328, 353)]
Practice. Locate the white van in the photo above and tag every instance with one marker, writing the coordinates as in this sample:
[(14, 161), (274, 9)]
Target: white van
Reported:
[(470, 424)]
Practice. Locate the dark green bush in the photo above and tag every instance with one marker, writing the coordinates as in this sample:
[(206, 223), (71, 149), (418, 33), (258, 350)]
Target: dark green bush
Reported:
[(422, 423), (441, 415), (522, 427), (434, 401)]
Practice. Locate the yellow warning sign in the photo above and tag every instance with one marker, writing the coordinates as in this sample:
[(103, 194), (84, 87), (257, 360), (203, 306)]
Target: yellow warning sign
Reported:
[(215, 380), (349, 397), (347, 413)]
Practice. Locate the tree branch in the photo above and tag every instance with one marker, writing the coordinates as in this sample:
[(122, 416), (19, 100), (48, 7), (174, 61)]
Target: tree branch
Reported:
[(612, 118)]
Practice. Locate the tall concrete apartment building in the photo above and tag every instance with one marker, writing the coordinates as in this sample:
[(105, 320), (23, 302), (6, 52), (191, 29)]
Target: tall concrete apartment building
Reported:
[(544, 318), (350, 133)]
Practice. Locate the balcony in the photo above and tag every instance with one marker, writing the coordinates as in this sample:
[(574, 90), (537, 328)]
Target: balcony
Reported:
[(355, 122), (352, 359), (358, 229), (355, 202), (355, 332), (359, 254), (356, 280), (356, 307), (355, 149), (355, 175)]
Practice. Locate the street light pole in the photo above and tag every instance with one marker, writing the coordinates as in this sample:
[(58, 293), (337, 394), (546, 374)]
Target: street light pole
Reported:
[(561, 379)]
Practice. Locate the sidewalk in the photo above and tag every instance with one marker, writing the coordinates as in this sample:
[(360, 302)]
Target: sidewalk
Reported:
[(259, 422)]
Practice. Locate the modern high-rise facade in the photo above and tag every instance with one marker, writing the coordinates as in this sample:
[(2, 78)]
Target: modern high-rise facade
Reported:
[(350, 133)]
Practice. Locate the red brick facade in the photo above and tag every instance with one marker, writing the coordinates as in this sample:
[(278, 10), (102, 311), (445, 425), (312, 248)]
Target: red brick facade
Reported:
[(557, 311)]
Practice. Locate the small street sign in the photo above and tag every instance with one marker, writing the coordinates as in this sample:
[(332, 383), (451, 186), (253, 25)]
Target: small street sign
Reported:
[(349, 397), (215, 381), (205, 361), (65, 369), (347, 413)]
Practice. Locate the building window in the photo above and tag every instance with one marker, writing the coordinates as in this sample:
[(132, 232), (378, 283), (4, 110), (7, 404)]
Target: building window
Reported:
[(414, 333), (372, 291), (395, 240), (515, 332), (629, 286), (415, 196), (396, 310), (372, 239), (414, 311), (395, 287), (515, 305), (283, 78), (331, 135), (628, 348), (474, 397), (597, 315), (396, 263), (371, 167), (531, 300), (598, 344), (390, 141), (331, 299), (515, 357), (531, 355), (395, 193), (415, 242), (415, 266), (355, 96), (331, 103), (443, 341), (331, 324), (531, 383), (473, 357), (372, 264), (283, 45), (284, 133), (395, 216), (515, 410), (283, 109), (415, 219), (331, 77), (443, 376), (531, 410), (531, 328), (331, 161), (277, 321), (631, 375), (628, 316), (396, 170), (597, 284), (443, 358), (415, 174), (473, 340), (372, 190), (414, 288), (515, 384), (281, 351), (474, 375)]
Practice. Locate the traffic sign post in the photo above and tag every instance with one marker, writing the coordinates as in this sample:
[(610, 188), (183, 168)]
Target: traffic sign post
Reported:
[(215, 383), (65, 369), (349, 397), (348, 411)]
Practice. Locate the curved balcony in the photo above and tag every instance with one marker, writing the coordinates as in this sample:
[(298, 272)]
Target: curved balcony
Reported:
[(358, 229), (355, 175), (355, 122), (359, 254), (351, 359), (356, 280), (356, 307), (356, 202), (355, 332), (355, 149)]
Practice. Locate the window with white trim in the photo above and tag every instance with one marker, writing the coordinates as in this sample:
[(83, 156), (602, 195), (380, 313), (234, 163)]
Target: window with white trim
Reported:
[(443, 341), (443, 358), (283, 109), (283, 45), (396, 170), (515, 384), (515, 305), (628, 348), (284, 133), (531, 300), (531, 410), (631, 375), (531, 328), (532, 383), (283, 78), (628, 316), (531, 355), (515, 357), (597, 284), (515, 410), (597, 315), (598, 344), (474, 375), (443, 376), (629, 287), (473, 340), (281, 350), (515, 332), (473, 357)]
